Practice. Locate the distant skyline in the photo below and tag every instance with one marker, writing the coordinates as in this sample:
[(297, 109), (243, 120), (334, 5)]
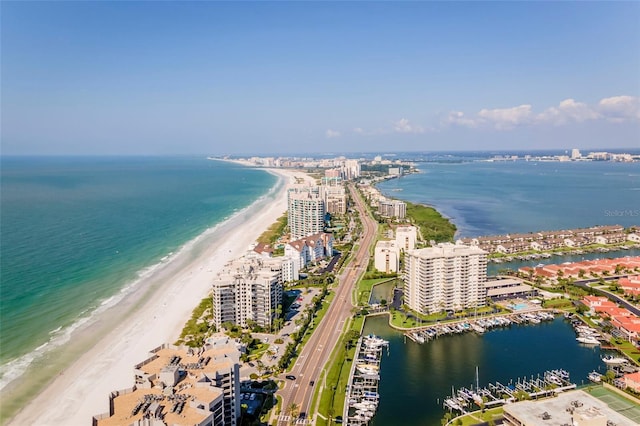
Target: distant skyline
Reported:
[(157, 78)]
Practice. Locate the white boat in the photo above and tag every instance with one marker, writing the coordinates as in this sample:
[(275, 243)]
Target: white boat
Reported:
[(477, 328), (588, 340), (611, 360), (594, 377)]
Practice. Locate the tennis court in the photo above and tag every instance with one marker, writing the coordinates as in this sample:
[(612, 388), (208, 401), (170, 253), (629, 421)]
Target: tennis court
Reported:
[(619, 403)]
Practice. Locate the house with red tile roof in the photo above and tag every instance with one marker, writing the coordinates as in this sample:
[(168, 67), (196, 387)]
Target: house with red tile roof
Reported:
[(632, 381), (630, 285), (311, 249)]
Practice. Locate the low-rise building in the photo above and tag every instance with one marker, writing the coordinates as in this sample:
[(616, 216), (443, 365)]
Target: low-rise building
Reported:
[(508, 288), (632, 381), (568, 408), (179, 385)]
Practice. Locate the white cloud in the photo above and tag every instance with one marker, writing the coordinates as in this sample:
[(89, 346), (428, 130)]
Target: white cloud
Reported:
[(568, 111), (506, 118), (615, 109), (620, 108), (332, 134), (403, 126), (457, 118)]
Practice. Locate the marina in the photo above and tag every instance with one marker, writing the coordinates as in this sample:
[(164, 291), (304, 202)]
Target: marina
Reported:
[(362, 396), (496, 394), (418, 376), (478, 326)]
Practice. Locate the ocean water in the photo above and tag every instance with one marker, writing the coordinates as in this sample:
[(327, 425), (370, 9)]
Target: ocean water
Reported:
[(77, 232), (488, 198)]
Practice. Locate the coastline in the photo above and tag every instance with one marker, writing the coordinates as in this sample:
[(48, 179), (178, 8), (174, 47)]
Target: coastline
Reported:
[(153, 313)]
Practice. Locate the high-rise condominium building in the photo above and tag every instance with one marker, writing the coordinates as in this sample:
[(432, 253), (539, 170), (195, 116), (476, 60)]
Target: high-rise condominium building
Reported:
[(248, 289), (445, 277), (306, 210)]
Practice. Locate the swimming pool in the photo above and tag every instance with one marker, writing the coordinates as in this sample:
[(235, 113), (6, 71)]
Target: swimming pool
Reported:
[(518, 306)]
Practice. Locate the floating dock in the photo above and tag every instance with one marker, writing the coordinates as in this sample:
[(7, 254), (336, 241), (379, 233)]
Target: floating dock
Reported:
[(361, 401), (479, 326), (497, 394)]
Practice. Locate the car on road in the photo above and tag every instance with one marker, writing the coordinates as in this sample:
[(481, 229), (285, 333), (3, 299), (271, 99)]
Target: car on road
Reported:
[(290, 377)]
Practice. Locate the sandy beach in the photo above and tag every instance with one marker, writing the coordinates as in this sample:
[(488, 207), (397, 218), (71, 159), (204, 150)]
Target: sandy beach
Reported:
[(157, 316)]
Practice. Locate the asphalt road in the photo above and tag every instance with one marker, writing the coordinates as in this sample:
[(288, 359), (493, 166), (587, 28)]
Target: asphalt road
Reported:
[(316, 352)]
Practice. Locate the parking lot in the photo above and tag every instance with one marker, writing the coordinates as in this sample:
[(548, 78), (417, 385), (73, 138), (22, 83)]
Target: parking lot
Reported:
[(296, 310)]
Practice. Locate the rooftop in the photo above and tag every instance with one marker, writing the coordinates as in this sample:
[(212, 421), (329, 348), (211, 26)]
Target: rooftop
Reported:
[(566, 408)]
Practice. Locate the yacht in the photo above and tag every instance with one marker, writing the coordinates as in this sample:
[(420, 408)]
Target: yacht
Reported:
[(612, 360), (594, 376), (588, 340)]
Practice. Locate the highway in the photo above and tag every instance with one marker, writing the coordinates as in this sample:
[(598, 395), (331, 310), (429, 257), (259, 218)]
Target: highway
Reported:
[(316, 352)]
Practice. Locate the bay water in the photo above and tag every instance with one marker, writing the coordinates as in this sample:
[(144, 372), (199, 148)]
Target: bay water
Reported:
[(490, 198)]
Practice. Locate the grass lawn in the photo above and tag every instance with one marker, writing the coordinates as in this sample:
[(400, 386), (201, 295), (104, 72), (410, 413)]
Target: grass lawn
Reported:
[(628, 349), (257, 352), (331, 399), (479, 417), (364, 287), (275, 231), (557, 303)]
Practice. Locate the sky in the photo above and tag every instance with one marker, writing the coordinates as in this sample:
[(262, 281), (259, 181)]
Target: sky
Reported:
[(163, 78)]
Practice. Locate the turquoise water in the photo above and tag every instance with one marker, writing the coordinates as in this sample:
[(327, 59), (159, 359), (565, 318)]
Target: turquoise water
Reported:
[(518, 306), (75, 231), (486, 198)]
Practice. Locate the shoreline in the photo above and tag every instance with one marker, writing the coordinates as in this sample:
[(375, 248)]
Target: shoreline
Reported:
[(153, 313)]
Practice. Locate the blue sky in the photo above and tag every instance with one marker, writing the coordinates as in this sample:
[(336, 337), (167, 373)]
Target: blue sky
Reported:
[(282, 77)]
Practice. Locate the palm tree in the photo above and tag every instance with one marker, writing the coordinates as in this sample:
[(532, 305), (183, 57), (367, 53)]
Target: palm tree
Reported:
[(292, 410)]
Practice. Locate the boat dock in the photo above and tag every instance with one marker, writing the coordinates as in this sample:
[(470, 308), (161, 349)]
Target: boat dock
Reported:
[(361, 401), (496, 394), (479, 326)]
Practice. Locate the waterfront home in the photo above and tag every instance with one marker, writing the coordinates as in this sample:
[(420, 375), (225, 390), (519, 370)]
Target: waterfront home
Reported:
[(633, 237), (616, 238), (626, 322), (632, 381), (580, 241), (547, 244), (513, 247)]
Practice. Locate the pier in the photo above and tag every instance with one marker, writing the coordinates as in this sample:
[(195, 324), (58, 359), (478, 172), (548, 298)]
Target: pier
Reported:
[(361, 401), (497, 394)]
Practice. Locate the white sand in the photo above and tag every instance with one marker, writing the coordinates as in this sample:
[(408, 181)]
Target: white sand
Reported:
[(83, 390)]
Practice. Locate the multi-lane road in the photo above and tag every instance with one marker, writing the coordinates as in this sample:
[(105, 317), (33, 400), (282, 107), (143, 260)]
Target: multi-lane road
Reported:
[(316, 352)]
